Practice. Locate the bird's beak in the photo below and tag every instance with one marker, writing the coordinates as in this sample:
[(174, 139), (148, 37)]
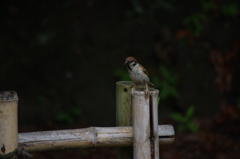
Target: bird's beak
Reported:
[(126, 63)]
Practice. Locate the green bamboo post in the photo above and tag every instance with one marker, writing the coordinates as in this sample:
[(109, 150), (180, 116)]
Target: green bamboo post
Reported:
[(8, 122), (124, 113)]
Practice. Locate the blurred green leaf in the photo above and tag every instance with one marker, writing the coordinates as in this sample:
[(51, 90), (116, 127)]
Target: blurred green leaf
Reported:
[(181, 128), (42, 99), (75, 111), (177, 117), (192, 127), (230, 10), (207, 6), (167, 83), (69, 116), (65, 117), (194, 22), (137, 6), (168, 90), (185, 122), (164, 4), (122, 74), (168, 75), (189, 113), (155, 79)]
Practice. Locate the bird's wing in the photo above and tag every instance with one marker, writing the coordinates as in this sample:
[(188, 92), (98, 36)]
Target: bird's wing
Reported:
[(151, 85), (145, 71)]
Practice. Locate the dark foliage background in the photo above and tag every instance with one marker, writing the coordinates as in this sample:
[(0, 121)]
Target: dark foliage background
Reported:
[(64, 57)]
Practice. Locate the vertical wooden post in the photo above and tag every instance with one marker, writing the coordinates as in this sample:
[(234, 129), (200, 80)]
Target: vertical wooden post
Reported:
[(154, 136), (124, 113), (145, 123), (8, 121)]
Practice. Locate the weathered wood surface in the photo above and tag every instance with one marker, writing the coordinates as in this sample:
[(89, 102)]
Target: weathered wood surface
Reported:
[(123, 103), (145, 122), (8, 121), (86, 138), (153, 103), (124, 113)]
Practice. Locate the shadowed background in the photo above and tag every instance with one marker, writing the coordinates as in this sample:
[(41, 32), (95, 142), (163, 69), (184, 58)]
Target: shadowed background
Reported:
[(64, 57)]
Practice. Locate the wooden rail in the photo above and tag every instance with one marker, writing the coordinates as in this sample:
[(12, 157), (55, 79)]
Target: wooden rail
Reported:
[(137, 121), (91, 137)]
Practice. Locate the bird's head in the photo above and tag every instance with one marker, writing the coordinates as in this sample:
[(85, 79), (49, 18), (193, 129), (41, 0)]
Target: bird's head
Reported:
[(130, 61)]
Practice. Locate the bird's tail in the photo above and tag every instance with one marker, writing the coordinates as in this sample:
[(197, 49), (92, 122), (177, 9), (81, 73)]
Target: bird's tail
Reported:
[(151, 85)]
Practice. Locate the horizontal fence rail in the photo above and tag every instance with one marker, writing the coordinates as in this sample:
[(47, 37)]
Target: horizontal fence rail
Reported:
[(137, 133), (91, 137)]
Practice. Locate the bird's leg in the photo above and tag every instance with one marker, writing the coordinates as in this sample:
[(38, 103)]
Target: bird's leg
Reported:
[(146, 91), (133, 89)]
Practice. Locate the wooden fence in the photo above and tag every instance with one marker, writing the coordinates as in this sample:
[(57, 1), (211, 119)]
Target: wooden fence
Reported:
[(138, 133)]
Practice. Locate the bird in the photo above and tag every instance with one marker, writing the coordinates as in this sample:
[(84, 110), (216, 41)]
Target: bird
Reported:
[(138, 74)]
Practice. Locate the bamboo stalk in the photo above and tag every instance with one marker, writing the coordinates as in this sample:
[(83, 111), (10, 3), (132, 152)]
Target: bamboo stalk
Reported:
[(124, 113), (8, 121), (154, 139), (123, 103), (86, 138), (145, 122)]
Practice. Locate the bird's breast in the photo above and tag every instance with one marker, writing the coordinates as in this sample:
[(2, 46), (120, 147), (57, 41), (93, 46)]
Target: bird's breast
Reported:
[(138, 77)]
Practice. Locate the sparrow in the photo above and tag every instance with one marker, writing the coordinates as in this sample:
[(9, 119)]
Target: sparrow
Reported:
[(138, 74)]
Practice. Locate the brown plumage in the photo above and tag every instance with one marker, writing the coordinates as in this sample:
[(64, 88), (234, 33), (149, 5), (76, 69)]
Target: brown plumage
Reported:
[(138, 73)]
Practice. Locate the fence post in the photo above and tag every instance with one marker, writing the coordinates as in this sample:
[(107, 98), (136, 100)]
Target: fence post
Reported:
[(145, 125), (8, 121), (124, 114)]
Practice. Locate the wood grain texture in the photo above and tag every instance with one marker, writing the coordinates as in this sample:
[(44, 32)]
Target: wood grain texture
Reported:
[(124, 113), (91, 137), (145, 125), (8, 121)]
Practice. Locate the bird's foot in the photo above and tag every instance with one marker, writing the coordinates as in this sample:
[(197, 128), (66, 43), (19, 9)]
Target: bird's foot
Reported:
[(133, 89), (146, 93)]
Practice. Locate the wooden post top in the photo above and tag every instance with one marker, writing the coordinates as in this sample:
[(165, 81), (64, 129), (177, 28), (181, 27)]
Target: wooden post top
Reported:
[(141, 92), (8, 96), (131, 83), (125, 83)]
